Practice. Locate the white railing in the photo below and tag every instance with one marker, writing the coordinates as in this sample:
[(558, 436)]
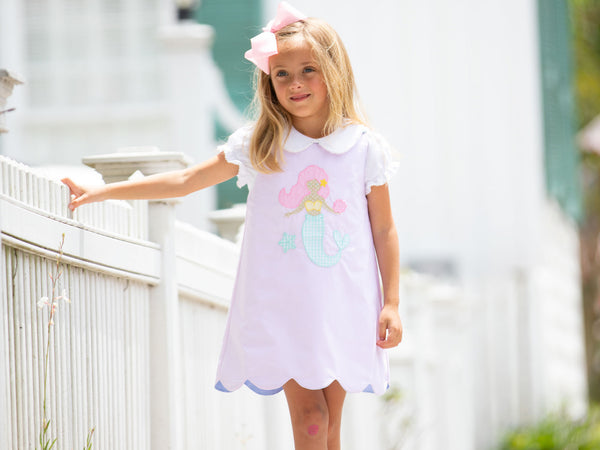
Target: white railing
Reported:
[(99, 351)]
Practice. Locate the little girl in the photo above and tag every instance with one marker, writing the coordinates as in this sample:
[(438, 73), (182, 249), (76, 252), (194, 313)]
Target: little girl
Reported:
[(307, 315)]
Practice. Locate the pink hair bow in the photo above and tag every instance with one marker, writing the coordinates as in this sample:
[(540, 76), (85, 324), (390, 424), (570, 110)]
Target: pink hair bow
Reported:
[(264, 45)]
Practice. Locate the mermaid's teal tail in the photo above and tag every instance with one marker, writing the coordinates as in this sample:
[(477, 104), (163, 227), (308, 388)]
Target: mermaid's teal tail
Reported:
[(313, 233)]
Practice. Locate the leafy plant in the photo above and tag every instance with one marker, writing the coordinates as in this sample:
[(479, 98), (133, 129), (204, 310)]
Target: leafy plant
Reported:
[(45, 440), (88, 442), (557, 432)]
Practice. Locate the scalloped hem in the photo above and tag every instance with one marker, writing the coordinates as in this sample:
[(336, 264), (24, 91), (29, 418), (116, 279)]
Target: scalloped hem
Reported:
[(220, 387)]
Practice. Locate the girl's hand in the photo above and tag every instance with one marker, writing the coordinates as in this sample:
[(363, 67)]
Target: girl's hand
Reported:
[(390, 327), (79, 195)]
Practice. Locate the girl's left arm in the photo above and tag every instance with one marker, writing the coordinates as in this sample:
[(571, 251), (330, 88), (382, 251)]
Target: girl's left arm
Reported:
[(385, 239)]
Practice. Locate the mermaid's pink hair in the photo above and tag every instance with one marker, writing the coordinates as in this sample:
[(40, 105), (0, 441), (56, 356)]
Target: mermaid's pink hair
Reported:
[(300, 189)]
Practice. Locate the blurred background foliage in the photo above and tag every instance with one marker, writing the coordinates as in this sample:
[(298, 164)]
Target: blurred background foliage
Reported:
[(585, 17), (557, 432)]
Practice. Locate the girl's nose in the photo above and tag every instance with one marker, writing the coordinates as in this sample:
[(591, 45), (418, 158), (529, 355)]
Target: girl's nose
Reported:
[(296, 81)]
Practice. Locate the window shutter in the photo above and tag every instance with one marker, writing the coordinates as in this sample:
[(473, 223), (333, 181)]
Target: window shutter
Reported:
[(235, 22), (560, 153)]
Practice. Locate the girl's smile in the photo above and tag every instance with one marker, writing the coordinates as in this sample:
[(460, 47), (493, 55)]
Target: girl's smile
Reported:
[(298, 98), (300, 88)]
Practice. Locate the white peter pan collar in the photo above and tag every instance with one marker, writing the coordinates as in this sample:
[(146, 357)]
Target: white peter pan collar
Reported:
[(338, 142)]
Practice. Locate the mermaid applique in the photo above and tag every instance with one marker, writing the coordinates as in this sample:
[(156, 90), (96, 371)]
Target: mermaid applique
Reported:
[(309, 193)]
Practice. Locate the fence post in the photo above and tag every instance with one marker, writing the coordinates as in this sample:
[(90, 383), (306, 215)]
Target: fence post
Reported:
[(165, 349), (166, 400)]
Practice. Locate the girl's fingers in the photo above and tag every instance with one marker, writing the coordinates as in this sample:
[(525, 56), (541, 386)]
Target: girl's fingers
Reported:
[(390, 342), (390, 334), (77, 201), (383, 340), (383, 326), (69, 183), (74, 188), (79, 195)]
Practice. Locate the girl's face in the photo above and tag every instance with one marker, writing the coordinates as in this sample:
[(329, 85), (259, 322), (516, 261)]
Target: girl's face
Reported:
[(300, 88)]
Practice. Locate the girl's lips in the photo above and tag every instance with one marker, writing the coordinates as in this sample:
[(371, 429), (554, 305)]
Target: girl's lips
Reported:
[(298, 98)]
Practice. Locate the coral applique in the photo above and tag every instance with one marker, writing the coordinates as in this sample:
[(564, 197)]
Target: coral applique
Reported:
[(309, 194)]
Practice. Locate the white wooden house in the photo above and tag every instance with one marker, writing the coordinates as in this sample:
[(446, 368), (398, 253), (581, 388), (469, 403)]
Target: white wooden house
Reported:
[(474, 97)]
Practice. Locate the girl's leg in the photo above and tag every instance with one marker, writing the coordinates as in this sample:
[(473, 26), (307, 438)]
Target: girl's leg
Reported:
[(316, 415), (310, 416), (334, 396)]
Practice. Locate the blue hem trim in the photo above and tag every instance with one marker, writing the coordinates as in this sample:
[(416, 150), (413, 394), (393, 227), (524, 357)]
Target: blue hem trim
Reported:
[(262, 391), (219, 387)]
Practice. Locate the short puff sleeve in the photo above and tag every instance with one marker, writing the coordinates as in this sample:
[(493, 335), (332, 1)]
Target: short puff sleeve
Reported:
[(236, 152), (380, 165)]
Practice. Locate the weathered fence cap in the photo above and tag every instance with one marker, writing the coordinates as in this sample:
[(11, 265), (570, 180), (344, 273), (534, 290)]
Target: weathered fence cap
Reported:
[(7, 81), (119, 166), (11, 77)]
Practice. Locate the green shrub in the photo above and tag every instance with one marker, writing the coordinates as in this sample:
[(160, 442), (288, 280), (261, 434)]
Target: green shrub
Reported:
[(557, 432)]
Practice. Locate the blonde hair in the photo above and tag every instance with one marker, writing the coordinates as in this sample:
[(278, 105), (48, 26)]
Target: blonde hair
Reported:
[(273, 121)]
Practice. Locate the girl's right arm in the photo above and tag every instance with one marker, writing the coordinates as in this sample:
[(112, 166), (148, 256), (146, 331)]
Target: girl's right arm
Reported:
[(163, 185)]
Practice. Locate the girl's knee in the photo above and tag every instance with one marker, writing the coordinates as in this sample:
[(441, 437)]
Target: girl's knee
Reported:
[(314, 420)]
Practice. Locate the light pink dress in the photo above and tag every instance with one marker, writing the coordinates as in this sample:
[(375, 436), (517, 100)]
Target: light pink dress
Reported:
[(307, 296)]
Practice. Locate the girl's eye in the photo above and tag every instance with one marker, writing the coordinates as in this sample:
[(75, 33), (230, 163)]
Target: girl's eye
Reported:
[(309, 69), (281, 73)]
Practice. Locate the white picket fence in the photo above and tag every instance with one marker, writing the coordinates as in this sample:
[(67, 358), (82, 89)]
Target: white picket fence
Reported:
[(98, 352)]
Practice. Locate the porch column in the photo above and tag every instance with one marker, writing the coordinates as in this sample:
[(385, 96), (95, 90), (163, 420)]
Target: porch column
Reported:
[(188, 76)]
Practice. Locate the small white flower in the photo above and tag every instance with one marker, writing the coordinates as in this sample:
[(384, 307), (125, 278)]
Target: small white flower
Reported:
[(43, 302), (64, 296)]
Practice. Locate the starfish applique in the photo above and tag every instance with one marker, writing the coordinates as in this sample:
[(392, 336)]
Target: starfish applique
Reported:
[(288, 242)]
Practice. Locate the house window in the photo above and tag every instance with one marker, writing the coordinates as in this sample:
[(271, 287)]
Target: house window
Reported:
[(560, 153), (85, 53)]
